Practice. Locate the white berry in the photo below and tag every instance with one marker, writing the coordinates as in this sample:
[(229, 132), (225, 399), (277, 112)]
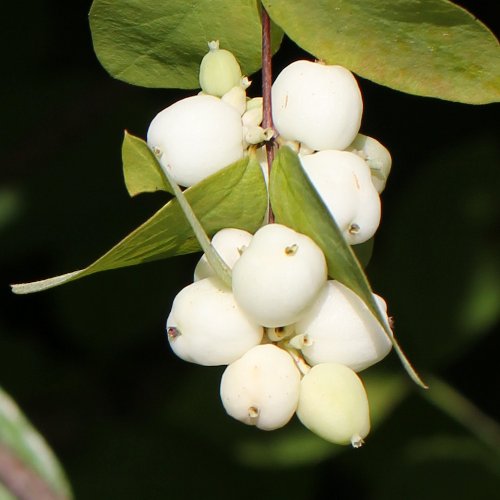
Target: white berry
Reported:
[(333, 404), (317, 104), (343, 181), (376, 155), (206, 326), (339, 328), (278, 276), (261, 388), (196, 137), (229, 243)]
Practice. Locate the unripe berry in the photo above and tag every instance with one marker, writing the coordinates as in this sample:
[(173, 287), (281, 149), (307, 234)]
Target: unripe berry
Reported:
[(230, 243), (278, 276), (333, 404), (376, 155), (206, 326), (219, 71), (343, 181), (196, 137), (261, 388), (339, 328), (316, 104)]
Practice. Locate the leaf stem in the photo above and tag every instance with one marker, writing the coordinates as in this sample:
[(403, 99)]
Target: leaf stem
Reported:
[(222, 270), (267, 79)]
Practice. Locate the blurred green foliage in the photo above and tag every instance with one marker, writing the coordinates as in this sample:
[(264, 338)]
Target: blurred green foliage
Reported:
[(89, 364)]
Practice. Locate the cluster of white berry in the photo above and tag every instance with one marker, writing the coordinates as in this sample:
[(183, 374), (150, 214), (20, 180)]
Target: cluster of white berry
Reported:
[(291, 338)]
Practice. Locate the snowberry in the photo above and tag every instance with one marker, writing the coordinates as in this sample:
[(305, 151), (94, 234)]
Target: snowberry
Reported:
[(376, 155), (230, 244), (261, 388), (219, 71), (237, 98), (343, 181), (195, 137), (339, 328), (333, 404), (206, 326), (316, 104), (278, 276)]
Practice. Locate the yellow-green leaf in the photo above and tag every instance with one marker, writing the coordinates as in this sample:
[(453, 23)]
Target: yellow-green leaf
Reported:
[(140, 169), (159, 43), (233, 197), (424, 47)]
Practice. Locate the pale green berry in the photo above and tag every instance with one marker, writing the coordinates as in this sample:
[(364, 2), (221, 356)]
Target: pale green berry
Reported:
[(339, 328), (219, 71), (279, 275), (317, 104), (261, 388), (376, 155), (333, 404), (206, 326)]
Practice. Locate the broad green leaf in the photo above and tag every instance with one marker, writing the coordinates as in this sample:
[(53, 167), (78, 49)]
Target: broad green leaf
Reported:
[(221, 269), (234, 197), (140, 168), (296, 204), (158, 43), (25, 447), (424, 47)]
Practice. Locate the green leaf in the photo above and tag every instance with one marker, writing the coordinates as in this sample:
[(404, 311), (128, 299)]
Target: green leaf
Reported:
[(140, 168), (296, 204), (23, 449), (222, 270), (429, 48), (158, 43), (233, 197)]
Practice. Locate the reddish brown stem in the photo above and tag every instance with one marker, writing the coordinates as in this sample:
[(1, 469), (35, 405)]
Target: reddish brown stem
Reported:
[(267, 80)]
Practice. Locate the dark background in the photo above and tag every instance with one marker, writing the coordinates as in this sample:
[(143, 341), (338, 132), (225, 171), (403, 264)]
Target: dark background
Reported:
[(88, 362)]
